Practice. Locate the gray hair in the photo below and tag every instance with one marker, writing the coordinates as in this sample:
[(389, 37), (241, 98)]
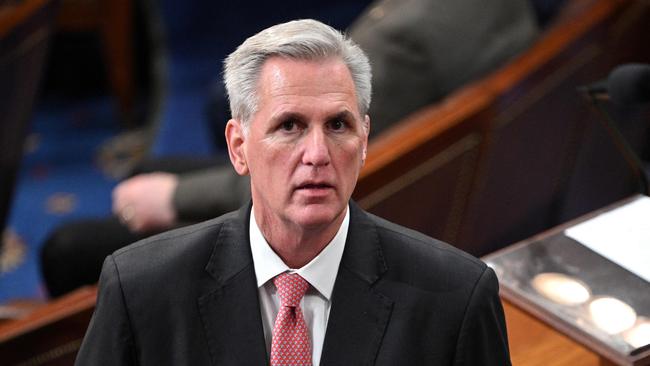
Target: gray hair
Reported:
[(305, 39)]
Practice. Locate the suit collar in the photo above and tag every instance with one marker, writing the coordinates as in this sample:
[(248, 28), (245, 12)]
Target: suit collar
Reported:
[(320, 272), (229, 304), (359, 315), (230, 309), (363, 255), (231, 252)]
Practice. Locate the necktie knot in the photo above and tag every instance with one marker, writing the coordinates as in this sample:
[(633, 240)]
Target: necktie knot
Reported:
[(291, 288)]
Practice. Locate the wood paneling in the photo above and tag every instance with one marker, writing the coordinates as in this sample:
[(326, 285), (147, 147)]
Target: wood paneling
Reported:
[(50, 335)]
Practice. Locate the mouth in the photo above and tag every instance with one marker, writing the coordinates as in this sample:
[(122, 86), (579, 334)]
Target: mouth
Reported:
[(314, 186)]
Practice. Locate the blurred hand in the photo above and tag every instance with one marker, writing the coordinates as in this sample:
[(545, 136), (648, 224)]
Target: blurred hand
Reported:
[(144, 202)]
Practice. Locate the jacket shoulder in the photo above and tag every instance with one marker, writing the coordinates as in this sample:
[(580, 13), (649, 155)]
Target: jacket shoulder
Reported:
[(407, 251), (187, 247)]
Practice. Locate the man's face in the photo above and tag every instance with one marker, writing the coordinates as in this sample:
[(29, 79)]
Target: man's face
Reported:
[(306, 143)]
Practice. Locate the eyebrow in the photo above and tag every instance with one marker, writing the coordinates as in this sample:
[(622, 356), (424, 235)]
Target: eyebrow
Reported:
[(289, 115), (283, 116), (344, 115)]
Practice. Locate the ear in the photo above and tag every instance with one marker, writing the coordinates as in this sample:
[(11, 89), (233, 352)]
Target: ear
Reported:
[(236, 140), (366, 128)]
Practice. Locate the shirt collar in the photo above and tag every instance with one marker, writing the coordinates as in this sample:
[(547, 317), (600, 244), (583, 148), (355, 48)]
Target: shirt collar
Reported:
[(320, 272)]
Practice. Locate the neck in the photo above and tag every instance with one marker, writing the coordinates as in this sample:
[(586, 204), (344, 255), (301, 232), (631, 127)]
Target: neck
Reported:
[(297, 245)]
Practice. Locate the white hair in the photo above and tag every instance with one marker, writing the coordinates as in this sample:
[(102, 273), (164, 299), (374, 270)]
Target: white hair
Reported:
[(305, 39)]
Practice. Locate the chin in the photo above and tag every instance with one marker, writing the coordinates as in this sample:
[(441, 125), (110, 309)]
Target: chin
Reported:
[(318, 215)]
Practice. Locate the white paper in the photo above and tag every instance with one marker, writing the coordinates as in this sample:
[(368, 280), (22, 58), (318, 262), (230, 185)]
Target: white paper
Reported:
[(621, 235)]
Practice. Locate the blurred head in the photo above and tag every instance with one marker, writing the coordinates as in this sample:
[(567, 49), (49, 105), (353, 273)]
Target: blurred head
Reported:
[(300, 40)]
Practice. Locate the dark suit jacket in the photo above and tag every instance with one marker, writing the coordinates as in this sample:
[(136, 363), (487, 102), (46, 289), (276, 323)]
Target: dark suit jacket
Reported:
[(189, 297)]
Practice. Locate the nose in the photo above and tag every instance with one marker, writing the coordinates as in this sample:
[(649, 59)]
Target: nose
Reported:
[(316, 149)]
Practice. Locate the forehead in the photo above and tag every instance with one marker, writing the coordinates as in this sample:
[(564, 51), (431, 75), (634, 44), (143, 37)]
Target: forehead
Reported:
[(284, 80)]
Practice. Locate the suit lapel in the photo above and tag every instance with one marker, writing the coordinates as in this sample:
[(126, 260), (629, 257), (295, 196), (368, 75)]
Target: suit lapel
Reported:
[(359, 315), (229, 305)]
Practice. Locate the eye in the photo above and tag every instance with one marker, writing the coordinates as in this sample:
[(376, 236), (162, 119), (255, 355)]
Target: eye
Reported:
[(288, 125), (337, 125)]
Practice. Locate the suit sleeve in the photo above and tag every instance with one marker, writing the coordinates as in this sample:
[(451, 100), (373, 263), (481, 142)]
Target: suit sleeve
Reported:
[(208, 193), (483, 339), (109, 339)]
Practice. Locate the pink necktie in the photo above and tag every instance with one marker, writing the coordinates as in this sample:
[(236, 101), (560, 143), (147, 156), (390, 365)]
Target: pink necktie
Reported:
[(290, 345)]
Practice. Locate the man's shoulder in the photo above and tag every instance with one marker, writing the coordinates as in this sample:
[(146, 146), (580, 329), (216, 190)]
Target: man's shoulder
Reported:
[(395, 235), (411, 254), (186, 247), (188, 234)]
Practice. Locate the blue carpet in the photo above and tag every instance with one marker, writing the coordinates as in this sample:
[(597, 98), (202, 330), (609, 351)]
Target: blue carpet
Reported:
[(184, 129), (59, 181)]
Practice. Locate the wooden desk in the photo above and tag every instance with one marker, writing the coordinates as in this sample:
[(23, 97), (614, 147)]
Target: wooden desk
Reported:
[(533, 343), (532, 315)]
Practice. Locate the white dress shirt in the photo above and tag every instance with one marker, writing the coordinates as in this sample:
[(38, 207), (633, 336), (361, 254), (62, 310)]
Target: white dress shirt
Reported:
[(320, 273)]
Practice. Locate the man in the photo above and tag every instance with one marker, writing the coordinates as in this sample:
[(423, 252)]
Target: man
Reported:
[(367, 291)]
